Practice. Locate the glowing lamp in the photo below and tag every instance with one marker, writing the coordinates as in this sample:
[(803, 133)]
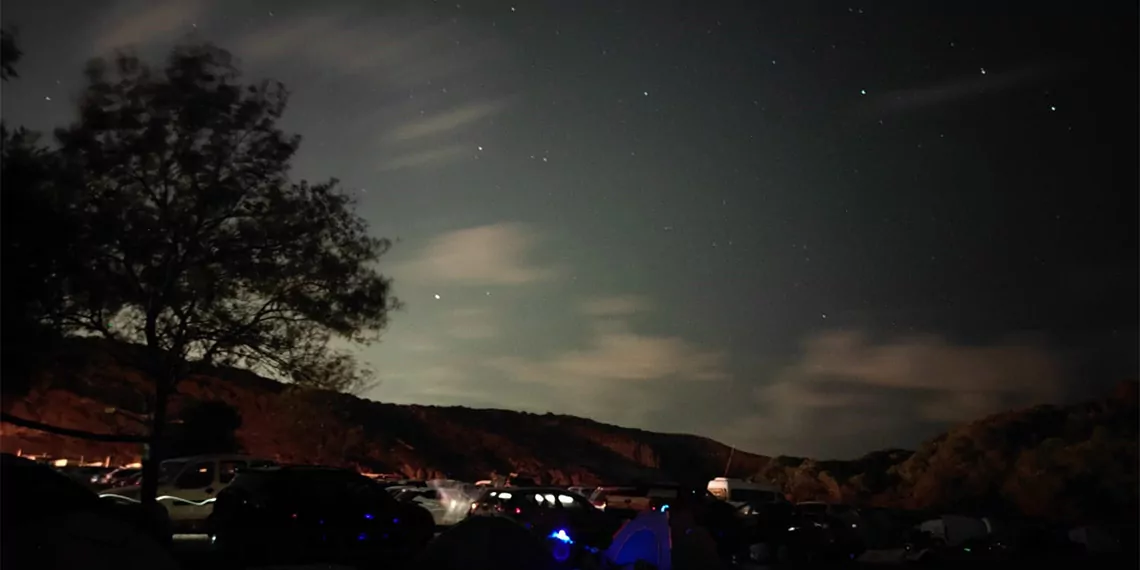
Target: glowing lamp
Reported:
[(561, 536)]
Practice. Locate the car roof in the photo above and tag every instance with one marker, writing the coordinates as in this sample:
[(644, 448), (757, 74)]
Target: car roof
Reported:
[(531, 490), (213, 457)]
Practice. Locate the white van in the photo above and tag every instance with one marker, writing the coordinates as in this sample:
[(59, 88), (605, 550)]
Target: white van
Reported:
[(740, 492), (187, 486)]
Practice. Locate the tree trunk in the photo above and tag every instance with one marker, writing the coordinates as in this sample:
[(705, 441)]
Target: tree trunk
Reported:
[(155, 448)]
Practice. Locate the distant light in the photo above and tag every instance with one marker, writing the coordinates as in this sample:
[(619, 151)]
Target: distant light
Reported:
[(1052, 107), (983, 70), (645, 93), (437, 296), (862, 91), (368, 516), (505, 496), (362, 536), (480, 148), (664, 508)]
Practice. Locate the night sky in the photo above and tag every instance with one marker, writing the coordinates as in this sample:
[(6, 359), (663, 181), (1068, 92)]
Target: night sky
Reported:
[(809, 228)]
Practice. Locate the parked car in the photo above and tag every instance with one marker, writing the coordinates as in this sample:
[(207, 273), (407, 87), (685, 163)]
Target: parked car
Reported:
[(815, 535), (628, 500), (550, 512), (115, 477), (52, 521), (187, 486), (304, 514)]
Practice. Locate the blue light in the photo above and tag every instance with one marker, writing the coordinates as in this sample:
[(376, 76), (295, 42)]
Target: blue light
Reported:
[(396, 521), (362, 536), (561, 552), (664, 508), (368, 516), (561, 536)]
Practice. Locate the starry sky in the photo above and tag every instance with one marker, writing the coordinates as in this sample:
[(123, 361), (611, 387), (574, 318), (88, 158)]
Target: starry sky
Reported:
[(809, 228)]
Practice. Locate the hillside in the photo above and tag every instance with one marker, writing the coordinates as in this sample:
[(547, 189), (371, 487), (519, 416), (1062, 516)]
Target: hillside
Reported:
[(83, 381), (1076, 462), (1073, 463)]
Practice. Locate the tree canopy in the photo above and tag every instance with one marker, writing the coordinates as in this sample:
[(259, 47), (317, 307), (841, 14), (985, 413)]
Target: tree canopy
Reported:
[(34, 241), (9, 54), (191, 238), (206, 426)]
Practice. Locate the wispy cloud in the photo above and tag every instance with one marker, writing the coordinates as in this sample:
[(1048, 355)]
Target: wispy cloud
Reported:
[(619, 306), (444, 122), (427, 157), (981, 84), (472, 324), (428, 80), (619, 376), (848, 394), (398, 50), (496, 254), (625, 355), (137, 23)]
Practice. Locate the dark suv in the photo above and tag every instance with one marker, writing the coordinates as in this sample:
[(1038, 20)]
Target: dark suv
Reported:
[(301, 514), (550, 513)]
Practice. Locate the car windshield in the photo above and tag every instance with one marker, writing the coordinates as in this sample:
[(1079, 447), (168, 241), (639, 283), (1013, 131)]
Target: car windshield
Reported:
[(168, 470)]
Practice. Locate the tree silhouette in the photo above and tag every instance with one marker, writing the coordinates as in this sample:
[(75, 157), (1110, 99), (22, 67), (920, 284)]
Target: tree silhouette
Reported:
[(192, 240), (35, 238), (9, 54), (206, 427)]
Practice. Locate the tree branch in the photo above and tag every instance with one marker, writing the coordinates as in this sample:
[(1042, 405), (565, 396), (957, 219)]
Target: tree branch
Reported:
[(108, 437)]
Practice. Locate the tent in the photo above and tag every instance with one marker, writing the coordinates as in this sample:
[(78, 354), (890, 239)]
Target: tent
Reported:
[(646, 538)]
